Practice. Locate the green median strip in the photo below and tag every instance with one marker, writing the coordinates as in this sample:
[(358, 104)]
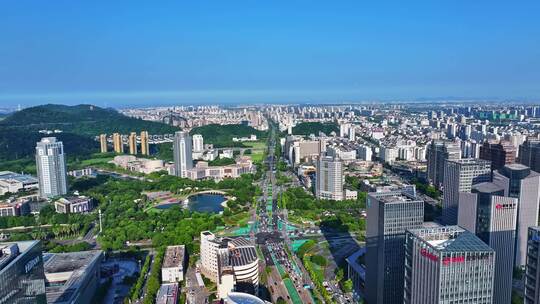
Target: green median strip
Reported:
[(295, 297)]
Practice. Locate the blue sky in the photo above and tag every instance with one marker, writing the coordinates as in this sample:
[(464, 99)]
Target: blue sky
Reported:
[(159, 52)]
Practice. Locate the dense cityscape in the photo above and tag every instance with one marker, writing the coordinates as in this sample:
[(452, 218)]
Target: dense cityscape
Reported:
[(365, 203), (269, 152)]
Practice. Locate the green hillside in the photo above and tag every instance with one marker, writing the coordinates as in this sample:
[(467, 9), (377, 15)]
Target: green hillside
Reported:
[(307, 128), (221, 135), (79, 125), (82, 120)]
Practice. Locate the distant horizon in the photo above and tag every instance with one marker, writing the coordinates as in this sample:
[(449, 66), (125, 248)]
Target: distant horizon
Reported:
[(420, 100), (125, 53)]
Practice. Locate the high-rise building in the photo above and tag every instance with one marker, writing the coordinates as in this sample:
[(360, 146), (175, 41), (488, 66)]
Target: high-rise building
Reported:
[(352, 133), (103, 143), (389, 214), (329, 178), (145, 147), (521, 182), (132, 141), (118, 144), (72, 277), (364, 152), (182, 153), (437, 153), (22, 279), (500, 154), (51, 167), (490, 215), (344, 130), (529, 154), (447, 265), (198, 143), (532, 268), (459, 176)]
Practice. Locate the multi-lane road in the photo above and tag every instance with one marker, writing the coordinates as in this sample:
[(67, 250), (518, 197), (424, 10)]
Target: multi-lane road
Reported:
[(287, 278)]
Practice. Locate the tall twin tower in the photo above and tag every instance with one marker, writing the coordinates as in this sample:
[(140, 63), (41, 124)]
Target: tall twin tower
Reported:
[(118, 143)]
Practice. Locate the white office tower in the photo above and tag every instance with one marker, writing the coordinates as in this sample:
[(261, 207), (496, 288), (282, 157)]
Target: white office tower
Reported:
[(447, 265), (51, 167), (344, 130), (459, 176), (490, 215), (198, 143), (329, 178), (519, 181), (352, 133), (182, 153)]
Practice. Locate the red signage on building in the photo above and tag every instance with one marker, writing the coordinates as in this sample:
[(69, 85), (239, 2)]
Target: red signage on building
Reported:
[(448, 260), (429, 255)]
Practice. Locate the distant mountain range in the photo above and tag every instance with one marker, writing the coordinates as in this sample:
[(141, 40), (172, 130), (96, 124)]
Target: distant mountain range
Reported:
[(79, 124)]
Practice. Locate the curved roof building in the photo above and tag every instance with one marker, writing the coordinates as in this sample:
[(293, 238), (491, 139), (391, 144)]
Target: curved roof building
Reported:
[(242, 298)]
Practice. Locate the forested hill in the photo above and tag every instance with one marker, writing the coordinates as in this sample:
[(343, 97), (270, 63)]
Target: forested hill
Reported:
[(79, 124), (221, 135), (307, 128), (86, 120)]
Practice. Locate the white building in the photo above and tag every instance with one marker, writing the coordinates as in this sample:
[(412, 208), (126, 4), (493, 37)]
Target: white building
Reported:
[(229, 153), (329, 178), (229, 262), (13, 182), (172, 269), (74, 204), (182, 153), (51, 167), (198, 143)]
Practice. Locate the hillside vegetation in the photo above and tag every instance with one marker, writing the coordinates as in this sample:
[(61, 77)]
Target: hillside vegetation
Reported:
[(86, 120), (307, 128), (221, 135), (79, 124)]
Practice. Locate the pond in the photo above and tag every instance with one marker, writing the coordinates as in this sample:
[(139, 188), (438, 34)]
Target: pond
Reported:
[(201, 203)]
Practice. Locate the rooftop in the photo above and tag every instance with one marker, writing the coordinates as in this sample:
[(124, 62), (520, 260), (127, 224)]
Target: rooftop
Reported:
[(9, 256), (486, 187), (242, 256), (174, 256), (167, 294), (450, 239), (22, 178), (242, 298), (64, 273), (74, 199)]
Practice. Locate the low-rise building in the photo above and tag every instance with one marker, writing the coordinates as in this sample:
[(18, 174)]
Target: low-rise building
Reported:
[(229, 153), (203, 171), (172, 269), (14, 207), (252, 137), (74, 204), (90, 172), (167, 294), (72, 277), (140, 165), (13, 182)]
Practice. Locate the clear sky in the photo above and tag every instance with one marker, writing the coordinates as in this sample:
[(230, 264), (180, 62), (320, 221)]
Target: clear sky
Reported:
[(156, 52)]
